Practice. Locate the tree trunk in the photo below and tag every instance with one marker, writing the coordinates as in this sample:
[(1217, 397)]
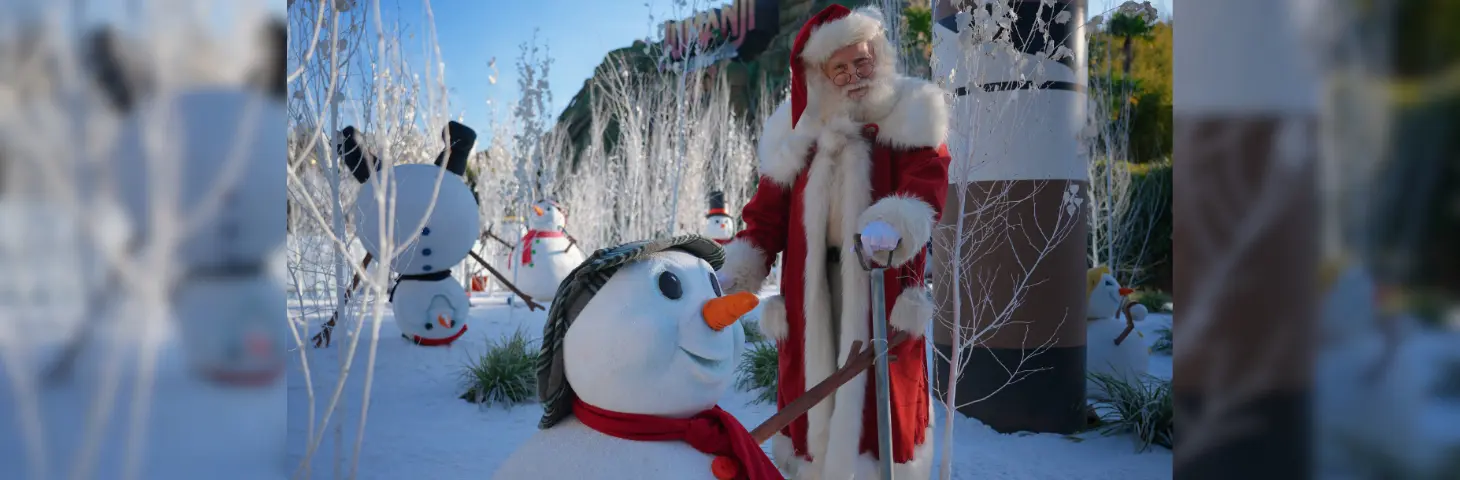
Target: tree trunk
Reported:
[(1126, 56)]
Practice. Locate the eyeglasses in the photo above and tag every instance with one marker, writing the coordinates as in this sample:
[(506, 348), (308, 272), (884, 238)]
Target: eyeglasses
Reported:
[(863, 70)]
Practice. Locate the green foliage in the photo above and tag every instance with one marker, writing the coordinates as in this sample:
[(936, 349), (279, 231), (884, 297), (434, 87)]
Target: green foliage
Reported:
[(918, 25), (752, 331), (1146, 88), (1144, 409), (506, 374), (757, 372), (1163, 342), (1150, 193)]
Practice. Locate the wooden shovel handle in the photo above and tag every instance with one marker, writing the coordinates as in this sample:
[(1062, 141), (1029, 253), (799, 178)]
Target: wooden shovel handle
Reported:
[(531, 305), (858, 361)]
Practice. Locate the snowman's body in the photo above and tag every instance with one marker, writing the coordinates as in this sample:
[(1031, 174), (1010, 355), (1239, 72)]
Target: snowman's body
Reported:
[(596, 456), (1367, 409), (634, 349), (430, 306), (545, 255), (1128, 361), (228, 306)]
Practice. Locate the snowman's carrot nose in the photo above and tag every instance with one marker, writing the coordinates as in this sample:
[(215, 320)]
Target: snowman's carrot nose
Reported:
[(442, 322), (721, 312), (537, 210), (1125, 291)]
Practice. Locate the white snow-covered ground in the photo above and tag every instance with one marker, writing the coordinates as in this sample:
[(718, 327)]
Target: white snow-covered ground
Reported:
[(418, 428), (188, 429)]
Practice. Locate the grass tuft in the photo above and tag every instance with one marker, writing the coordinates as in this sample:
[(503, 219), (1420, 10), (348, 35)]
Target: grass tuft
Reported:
[(757, 372), (1143, 409), (506, 374), (752, 331)]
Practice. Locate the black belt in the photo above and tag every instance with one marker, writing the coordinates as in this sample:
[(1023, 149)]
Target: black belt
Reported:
[(441, 275)]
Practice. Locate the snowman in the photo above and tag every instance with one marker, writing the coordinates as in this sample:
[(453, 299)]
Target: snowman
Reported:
[(1383, 385), (1127, 361), (218, 169), (546, 254), (640, 346), (720, 226), (428, 238)]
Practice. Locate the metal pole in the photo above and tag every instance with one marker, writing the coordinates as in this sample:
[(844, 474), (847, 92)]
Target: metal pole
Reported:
[(879, 349)]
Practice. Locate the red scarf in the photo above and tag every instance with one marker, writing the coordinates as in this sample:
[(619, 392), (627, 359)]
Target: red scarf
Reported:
[(725, 241), (535, 234), (713, 431), (436, 342)]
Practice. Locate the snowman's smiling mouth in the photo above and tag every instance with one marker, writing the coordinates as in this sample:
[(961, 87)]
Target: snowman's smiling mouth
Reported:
[(705, 362)]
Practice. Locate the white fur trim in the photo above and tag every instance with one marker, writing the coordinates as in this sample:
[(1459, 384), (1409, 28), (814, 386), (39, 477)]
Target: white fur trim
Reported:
[(783, 454), (910, 216), (913, 311), (844, 430), (866, 467), (863, 24), (744, 267), (782, 151), (820, 348), (918, 119), (773, 318)]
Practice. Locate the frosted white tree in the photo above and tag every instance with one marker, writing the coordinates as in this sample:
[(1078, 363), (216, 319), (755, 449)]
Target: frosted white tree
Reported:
[(345, 79)]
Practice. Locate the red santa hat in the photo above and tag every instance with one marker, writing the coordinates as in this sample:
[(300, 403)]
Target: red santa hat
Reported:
[(824, 33)]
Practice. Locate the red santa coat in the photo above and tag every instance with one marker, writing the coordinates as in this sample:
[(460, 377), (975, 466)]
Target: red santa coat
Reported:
[(896, 171)]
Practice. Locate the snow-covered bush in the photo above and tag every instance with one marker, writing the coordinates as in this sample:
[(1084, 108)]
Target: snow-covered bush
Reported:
[(1142, 408), (757, 372), (506, 374)]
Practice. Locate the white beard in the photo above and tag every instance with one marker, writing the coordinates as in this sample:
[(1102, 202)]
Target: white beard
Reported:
[(874, 104)]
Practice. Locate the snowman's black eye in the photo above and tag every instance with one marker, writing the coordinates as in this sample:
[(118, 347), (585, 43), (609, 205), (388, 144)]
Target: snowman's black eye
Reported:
[(669, 286), (715, 284), (428, 325)]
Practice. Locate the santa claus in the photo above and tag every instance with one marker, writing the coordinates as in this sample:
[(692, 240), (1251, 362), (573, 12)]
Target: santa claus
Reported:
[(857, 148)]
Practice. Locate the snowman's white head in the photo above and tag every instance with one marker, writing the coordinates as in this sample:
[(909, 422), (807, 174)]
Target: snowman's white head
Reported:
[(547, 216), (437, 226), (657, 339), (720, 227), (1105, 294)]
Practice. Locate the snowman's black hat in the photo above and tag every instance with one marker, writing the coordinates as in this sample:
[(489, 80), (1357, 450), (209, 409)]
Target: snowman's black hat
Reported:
[(353, 155), (574, 293), (717, 205)]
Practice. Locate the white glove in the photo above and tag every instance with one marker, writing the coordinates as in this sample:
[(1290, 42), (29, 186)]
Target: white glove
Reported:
[(878, 236)]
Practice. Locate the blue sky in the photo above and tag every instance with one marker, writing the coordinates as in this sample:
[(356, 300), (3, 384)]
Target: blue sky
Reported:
[(578, 32), (471, 32)]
